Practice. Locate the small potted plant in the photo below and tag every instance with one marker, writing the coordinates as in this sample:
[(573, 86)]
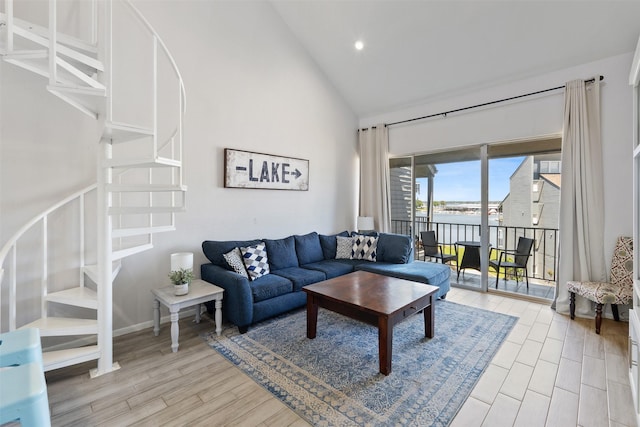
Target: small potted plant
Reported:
[(181, 280)]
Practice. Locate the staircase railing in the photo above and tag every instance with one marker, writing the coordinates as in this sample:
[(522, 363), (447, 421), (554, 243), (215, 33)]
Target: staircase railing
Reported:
[(11, 247), (71, 84)]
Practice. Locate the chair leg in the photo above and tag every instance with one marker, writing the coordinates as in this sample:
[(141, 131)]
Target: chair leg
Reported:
[(614, 310), (572, 305), (526, 276), (598, 317)]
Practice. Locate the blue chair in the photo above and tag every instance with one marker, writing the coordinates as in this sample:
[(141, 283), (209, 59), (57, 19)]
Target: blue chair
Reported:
[(23, 388), (20, 347)]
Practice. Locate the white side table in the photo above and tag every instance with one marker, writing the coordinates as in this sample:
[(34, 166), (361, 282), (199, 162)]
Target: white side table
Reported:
[(199, 292)]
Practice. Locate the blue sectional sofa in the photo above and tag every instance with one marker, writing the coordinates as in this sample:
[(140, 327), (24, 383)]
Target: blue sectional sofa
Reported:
[(301, 260)]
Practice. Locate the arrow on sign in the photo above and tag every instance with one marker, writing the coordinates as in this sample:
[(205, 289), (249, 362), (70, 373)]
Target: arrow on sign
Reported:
[(297, 173)]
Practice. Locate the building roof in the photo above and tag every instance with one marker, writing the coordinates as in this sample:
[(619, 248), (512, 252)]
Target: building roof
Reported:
[(552, 178)]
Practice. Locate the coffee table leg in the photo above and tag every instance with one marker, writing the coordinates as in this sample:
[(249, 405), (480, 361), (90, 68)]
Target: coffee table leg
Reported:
[(429, 319), (312, 316), (385, 341)]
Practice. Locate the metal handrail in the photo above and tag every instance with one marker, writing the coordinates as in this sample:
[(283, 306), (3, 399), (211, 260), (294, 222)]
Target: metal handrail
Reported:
[(165, 49), (11, 245), (448, 233)]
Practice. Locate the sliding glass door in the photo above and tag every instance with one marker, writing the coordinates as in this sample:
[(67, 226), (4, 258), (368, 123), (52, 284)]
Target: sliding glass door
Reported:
[(477, 203)]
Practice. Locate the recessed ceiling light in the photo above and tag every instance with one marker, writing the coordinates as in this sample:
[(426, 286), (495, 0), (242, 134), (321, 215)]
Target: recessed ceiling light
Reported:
[(359, 45)]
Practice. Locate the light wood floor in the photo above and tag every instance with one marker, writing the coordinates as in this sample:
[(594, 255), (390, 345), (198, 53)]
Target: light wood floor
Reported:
[(550, 372)]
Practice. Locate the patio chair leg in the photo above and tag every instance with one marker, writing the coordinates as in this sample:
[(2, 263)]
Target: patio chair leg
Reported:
[(526, 275), (572, 305), (598, 317), (614, 310)]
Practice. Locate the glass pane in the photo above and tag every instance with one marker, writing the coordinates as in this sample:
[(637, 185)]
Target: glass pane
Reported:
[(524, 194)]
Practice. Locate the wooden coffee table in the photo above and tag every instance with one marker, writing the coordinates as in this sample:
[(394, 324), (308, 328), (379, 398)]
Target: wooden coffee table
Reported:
[(378, 300)]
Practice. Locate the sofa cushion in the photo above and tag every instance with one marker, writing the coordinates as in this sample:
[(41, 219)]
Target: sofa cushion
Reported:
[(331, 268), (255, 260), (364, 247), (282, 253), (235, 261), (301, 276), (394, 248), (430, 273), (215, 250), (308, 248), (270, 286), (328, 243)]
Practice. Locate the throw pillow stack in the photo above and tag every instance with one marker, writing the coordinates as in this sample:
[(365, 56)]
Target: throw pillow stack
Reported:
[(251, 262), (357, 247)]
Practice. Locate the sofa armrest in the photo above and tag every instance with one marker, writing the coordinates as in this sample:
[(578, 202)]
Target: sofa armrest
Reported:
[(237, 302)]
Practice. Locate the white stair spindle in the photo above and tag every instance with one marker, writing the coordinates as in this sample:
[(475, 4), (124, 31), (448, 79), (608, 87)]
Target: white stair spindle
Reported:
[(53, 78)]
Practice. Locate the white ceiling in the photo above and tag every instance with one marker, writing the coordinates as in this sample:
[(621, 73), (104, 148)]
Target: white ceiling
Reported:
[(420, 50)]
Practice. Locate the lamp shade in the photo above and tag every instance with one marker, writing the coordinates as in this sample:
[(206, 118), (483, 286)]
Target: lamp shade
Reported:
[(365, 223), (182, 260)]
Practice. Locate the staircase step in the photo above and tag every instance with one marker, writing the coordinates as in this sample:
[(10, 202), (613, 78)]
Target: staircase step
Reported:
[(70, 89), (123, 253), (135, 210), (63, 326), (39, 35), (92, 271), (127, 232), (63, 39), (122, 132), (78, 297), (142, 163), (144, 188), (72, 356)]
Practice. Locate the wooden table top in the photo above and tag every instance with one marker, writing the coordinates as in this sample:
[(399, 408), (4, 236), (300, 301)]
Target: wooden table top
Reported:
[(371, 292)]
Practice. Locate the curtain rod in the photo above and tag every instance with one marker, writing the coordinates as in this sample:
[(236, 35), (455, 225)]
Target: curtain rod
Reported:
[(484, 104)]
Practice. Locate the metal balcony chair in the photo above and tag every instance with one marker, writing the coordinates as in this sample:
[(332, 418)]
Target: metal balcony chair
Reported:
[(619, 289), (431, 248), (520, 259)]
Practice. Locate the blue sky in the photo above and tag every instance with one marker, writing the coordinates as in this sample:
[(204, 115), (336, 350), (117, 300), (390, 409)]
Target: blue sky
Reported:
[(461, 181)]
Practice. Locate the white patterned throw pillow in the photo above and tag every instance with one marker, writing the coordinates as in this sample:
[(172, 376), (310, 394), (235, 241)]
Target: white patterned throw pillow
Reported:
[(234, 259), (343, 247), (256, 261), (364, 247)]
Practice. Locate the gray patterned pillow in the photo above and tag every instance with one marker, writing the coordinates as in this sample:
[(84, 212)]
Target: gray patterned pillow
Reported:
[(234, 259), (343, 247)]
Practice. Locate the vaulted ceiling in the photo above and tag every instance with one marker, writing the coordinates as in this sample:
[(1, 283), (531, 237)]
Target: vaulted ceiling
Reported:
[(415, 51)]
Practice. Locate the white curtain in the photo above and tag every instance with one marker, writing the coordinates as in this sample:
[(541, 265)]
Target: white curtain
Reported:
[(375, 187), (581, 247)]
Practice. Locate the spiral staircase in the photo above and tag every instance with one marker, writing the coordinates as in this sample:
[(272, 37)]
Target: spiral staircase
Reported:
[(139, 185)]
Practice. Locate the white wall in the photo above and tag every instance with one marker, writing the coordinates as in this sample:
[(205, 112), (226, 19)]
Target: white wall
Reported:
[(250, 86), (529, 118)]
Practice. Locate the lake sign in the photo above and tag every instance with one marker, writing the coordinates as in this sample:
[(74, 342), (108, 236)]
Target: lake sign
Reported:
[(245, 169)]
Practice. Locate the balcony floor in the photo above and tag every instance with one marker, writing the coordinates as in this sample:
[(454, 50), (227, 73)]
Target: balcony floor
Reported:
[(537, 288)]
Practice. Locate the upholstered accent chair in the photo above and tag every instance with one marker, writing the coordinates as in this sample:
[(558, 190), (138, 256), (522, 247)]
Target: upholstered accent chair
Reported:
[(518, 261), (433, 249), (619, 289)]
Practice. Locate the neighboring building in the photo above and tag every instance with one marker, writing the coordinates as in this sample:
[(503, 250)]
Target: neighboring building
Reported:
[(532, 208)]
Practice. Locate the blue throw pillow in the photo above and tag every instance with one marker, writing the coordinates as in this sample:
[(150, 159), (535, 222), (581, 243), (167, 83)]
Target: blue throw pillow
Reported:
[(329, 244), (308, 248), (282, 253), (394, 248)]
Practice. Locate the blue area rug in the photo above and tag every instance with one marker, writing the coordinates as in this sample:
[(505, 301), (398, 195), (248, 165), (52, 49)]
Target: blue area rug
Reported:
[(333, 380)]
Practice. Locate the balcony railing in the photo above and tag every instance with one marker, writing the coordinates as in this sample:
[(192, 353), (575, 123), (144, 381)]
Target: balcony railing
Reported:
[(544, 256)]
